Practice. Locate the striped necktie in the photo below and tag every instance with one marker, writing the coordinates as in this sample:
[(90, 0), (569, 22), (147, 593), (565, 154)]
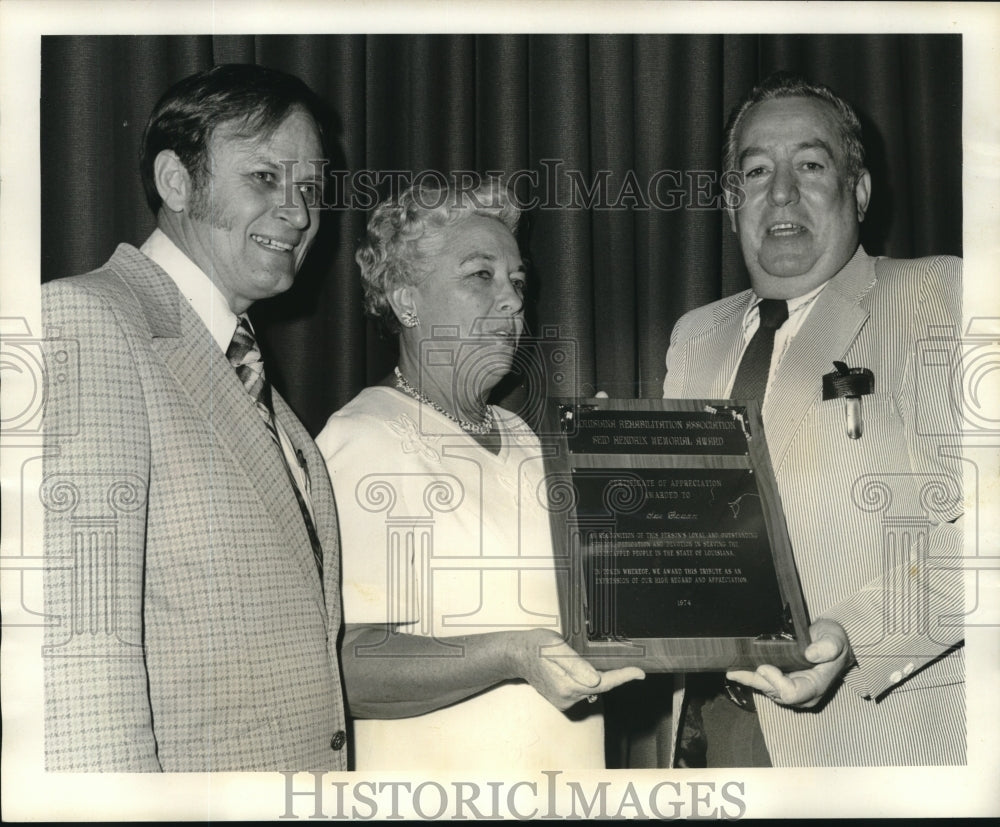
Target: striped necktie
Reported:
[(244, 355)]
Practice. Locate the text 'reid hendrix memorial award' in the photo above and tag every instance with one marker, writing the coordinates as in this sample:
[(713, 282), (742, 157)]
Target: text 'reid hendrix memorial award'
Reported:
[(666, 516)]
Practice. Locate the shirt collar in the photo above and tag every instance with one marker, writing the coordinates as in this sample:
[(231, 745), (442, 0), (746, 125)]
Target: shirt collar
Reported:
[(200, 291), (795, 306)]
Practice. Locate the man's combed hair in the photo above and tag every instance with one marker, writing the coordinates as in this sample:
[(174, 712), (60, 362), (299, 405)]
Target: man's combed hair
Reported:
[(390, 255), (252, 99), (790, 85)]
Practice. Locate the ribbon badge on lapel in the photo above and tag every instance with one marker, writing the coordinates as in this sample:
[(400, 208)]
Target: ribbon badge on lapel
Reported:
[(849, 384)]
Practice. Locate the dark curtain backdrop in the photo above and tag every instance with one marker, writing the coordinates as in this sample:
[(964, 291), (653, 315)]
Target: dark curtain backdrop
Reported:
[(610, 280)]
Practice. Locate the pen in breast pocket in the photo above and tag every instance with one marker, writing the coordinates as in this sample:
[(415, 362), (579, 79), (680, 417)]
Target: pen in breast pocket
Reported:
[(849, 384)]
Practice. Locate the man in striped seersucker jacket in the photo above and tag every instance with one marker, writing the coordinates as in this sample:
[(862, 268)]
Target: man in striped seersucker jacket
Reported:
[(874, 514)]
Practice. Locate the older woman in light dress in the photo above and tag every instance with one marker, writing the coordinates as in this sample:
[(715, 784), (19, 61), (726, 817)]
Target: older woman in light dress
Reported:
[(453, 655)]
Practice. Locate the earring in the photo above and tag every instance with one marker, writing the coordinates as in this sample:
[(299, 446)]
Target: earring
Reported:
[(409, 319)]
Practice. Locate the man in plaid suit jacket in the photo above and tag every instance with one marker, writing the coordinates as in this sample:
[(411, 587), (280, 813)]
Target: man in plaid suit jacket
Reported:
[(192, 627), (872, 514)]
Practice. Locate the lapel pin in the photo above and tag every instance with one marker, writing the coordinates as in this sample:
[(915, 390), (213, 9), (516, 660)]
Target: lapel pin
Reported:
[(849, 384)]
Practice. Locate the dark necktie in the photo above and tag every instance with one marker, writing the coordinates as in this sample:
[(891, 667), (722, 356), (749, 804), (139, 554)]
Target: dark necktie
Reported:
[(244, 355), (751, 377), (751, 383)]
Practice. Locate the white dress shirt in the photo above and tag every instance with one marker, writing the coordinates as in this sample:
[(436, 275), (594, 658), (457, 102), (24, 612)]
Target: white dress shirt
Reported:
[(212, 308), (798, 309)]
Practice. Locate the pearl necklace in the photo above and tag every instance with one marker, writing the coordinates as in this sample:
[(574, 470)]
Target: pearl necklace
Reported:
[(480, 428)]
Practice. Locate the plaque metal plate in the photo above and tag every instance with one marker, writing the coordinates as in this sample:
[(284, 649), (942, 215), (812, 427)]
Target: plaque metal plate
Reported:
[(668, 525)]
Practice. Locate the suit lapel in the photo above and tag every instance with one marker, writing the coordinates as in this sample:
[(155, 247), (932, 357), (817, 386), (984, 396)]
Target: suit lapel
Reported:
[(711, 357), (832, 325), (321, 491), (201, 369)]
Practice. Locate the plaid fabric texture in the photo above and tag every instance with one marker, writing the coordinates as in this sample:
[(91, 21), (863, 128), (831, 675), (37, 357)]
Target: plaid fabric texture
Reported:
[(188, 626), (245, 357)]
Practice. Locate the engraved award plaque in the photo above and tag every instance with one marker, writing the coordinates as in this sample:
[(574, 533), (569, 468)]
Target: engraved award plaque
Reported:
[(667, 518)]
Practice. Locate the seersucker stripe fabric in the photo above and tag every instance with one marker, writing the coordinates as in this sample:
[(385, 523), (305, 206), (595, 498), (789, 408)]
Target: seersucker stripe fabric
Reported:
[(870, 519)]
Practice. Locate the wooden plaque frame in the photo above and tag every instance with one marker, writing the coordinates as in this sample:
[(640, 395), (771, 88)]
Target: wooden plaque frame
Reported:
[(567, 463)]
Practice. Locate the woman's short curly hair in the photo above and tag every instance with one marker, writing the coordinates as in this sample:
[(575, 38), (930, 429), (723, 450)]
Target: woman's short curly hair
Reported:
[(389, 255)]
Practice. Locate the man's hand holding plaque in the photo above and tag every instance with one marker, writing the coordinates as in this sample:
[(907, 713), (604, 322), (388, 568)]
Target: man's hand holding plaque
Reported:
[(830, 650)]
